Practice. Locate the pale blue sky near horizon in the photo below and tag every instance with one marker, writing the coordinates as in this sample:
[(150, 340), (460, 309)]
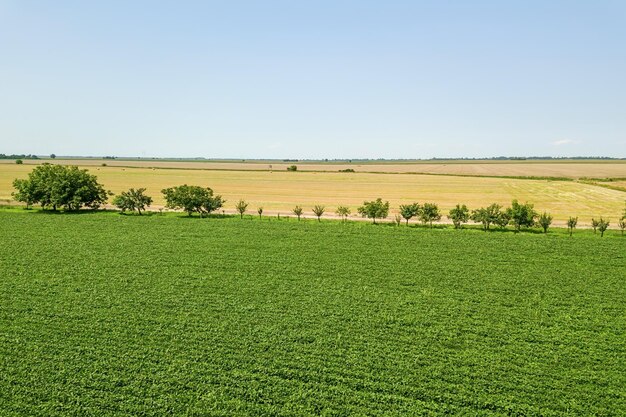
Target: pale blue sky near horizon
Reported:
[(323, 79)]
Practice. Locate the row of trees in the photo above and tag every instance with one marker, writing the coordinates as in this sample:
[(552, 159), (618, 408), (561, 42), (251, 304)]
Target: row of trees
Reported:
[(70, 188)]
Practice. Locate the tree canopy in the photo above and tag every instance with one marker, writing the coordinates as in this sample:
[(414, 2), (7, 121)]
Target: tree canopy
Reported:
[(133, 199), (192, 199), (374, 209), (58, 186)]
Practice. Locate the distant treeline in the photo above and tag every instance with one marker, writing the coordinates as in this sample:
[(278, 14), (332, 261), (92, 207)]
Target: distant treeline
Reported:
[(22, 156)]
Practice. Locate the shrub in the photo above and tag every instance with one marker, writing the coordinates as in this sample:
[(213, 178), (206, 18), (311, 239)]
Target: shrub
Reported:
[(545, 220), (297, 210), (241, 207), (319, 211), (343, 211), (602, 226), (571, 224), (292, 168), (192, 199), (19, 161)]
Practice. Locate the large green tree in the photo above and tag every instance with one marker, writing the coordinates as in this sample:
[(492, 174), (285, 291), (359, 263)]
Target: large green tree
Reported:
[(58, 186), (192, 199), (376, 209)]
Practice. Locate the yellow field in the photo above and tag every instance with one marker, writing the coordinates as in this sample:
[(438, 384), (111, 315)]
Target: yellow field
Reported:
[(536, 168), (281, 191)]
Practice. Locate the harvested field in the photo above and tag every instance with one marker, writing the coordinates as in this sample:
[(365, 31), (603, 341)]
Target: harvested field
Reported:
[(281, 191), (538, 168)]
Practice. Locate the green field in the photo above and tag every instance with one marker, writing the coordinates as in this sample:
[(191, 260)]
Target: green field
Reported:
[(104, 314)]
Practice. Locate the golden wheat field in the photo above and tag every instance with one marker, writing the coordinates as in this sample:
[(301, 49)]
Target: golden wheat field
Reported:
[(512, 168), (280, 191)]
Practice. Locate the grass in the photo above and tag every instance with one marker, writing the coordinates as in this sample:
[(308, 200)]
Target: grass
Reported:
[(103, 314), (281, 191)]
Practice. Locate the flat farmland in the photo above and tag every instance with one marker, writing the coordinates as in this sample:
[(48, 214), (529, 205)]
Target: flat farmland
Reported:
[(108, 315), (280, 191), (536, 168)]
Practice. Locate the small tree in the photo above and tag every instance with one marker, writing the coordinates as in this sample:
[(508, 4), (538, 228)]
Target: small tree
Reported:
[(488, 215), (192, 199), (241, 207), (545, 220), (397, 219), (622, 224), (594, 224), (375, 209), (52, 156), (298, 211), (19, 161), (428, 213), (408, 211), (571, 224), (602, 226), (133, 199), (521, 215), (343, 211), (319, 211), (260, 211), (292, 168), (459, 214)]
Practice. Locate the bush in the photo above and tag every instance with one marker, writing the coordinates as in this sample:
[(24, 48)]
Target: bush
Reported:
[(56, 186), (292, 168), (19, 161), (192, 199)]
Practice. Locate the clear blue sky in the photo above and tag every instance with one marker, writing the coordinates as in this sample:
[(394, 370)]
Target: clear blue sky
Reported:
[(314, 79)]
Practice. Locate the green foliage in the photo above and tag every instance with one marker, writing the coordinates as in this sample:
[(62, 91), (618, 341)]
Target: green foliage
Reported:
[(241, 207), (319, 211), (622, 224), (133, 199), (375, 209), (594, 224), (52, 156), (521, 215), (297, 210), (602, 226), (429, 213), (408, 211), (19, 161), (57, 186), (343, 211), (492, 214), (545, 220), (227, 318), (292, 168), (346, 170), (571, 224), (459, 215), (192, 199)]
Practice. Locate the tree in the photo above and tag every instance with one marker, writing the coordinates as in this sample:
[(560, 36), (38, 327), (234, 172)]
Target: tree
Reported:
[(58, 186), (343, 211), (375, 209), (459, 214), (397, 219), (594, 224), (487, 215), (602, 226), (408, 211), (502, 219), (192, 199), (522, 215), (319, 211), (241, 207), (622, 224), (428, 213), (545, 220), (297, 210), (19, 161), (133, 200), (292, 168), (571, 224), (260, 211), (52, 156)]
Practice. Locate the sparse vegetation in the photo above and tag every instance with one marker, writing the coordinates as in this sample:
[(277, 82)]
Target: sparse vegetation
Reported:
[(602, 226), (545, 220), (343, 211), (571, 224), (319, 210), (241, 207), (297, 210)]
